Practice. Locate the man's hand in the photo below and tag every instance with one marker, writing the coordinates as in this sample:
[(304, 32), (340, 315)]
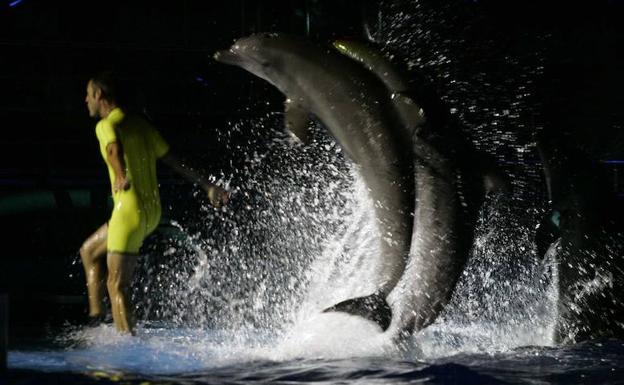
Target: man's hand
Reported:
[(217, 195), (121, 184)]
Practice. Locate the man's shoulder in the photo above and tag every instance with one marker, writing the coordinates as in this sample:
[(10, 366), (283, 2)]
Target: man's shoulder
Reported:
[(104, 124)]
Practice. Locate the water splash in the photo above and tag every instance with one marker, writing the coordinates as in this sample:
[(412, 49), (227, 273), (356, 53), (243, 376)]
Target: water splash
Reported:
[(247, 266), (506, 297), (220, 284), (247, 282)]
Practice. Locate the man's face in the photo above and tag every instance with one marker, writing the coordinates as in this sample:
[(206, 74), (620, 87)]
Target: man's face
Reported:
[(93, 100)]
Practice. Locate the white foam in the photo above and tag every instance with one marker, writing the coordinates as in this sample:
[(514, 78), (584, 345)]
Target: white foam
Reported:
[(331, 335)]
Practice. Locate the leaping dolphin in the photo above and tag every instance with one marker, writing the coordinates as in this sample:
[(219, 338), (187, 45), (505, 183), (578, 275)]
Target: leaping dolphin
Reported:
[(378, 126), (451, 179), (354, 105)]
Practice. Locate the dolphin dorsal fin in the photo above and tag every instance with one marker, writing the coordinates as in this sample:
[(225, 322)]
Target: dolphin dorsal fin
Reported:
[(411, 114), (297, 120), (374, 61)]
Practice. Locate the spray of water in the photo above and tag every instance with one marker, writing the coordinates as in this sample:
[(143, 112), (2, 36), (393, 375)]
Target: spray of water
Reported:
[(248, 281), (327, 253), (245, 267)]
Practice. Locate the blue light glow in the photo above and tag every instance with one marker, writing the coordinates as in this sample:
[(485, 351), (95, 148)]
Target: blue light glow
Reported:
[(16, 2), (202, 81)]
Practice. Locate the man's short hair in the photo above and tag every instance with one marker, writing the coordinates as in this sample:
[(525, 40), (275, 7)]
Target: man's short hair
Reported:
[(108, 85)]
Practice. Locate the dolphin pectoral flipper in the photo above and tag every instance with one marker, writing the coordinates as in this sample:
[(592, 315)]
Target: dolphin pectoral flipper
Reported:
[(373, 307), (297, 119)]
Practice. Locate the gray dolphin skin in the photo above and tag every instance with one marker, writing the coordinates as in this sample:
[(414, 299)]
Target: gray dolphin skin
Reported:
[(425, 199)]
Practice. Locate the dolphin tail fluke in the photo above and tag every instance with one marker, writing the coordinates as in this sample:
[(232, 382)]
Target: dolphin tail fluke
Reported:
[(373, 307)]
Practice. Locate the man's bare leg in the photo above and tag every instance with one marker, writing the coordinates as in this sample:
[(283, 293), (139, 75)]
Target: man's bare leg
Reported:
[(120, 270), (92, 254)]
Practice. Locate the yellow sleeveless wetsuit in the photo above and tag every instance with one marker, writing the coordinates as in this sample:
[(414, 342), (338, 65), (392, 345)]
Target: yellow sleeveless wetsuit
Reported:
[(136, 211)]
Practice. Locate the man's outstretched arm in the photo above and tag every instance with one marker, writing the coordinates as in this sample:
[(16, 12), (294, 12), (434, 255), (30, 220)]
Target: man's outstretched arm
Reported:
[(217, 195)]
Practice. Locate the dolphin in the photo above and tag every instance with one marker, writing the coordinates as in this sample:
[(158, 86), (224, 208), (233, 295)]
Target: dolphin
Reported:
[(355, 106), (586, 241), (451, 180), (420, 191)]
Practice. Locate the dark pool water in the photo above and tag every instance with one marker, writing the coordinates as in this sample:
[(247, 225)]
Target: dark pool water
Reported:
[(305, 355)]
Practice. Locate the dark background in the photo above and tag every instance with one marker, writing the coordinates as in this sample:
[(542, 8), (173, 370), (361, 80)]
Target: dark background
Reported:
[(53, 184)]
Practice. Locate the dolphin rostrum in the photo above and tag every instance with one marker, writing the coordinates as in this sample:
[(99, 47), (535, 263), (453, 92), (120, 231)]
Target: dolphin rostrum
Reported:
[(378, 125)]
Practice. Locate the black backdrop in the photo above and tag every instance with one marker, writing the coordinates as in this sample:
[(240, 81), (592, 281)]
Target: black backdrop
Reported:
[(53, 185)]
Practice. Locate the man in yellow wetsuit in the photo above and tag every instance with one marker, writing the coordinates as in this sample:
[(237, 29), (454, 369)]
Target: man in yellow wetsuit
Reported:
[(130, 147)]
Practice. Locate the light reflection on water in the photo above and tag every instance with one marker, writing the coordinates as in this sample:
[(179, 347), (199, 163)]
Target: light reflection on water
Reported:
[(324, 355), (160, 350)]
